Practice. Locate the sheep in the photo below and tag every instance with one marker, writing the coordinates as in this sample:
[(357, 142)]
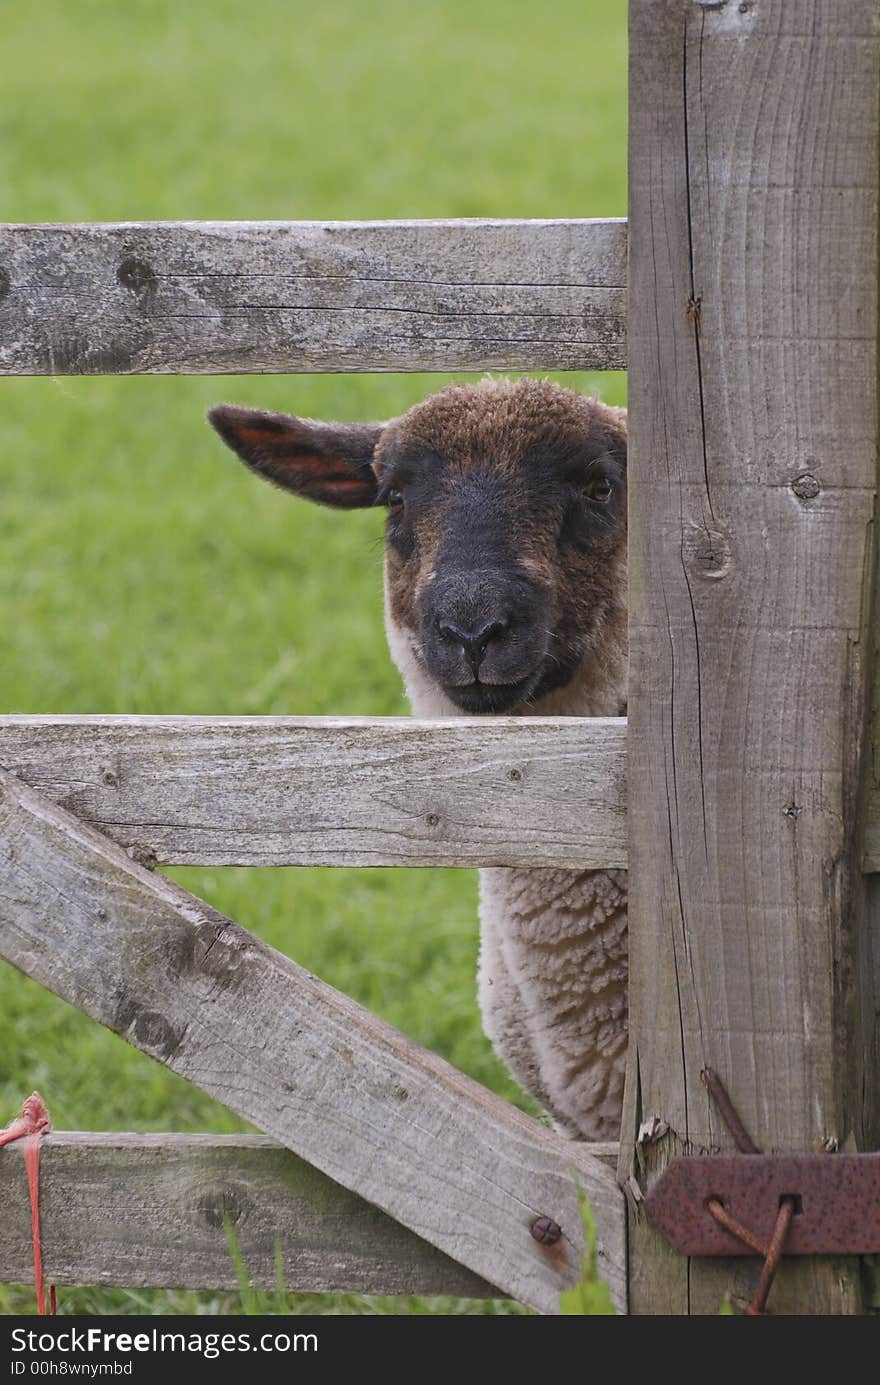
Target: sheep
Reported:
[(505, 592)]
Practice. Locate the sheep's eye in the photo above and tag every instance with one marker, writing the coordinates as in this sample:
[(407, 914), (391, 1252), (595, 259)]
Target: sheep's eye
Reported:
[(599, 489), (394, 499)]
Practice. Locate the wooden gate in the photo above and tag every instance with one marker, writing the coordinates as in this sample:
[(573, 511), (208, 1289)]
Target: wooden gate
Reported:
[(753, 815)]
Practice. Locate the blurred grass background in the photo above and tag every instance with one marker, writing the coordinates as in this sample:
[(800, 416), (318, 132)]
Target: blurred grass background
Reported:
[(143, 570)]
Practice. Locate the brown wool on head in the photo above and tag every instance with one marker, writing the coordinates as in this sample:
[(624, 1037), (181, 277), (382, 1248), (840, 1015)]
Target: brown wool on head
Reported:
[(501, 419), (402, 592)]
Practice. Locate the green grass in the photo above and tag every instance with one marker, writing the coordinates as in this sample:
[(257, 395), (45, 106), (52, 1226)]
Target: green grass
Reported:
[(143, 571)]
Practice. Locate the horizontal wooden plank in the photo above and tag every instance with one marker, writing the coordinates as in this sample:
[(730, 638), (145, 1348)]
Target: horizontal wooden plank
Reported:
[(258, 791), (367, 1106), (219, 297), (336, 791), (146, 1211)]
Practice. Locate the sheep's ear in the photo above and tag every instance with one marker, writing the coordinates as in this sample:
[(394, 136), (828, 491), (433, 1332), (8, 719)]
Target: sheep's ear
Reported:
[(326, 462)]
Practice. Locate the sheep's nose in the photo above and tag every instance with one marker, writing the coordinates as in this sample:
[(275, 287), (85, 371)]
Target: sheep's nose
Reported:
[(473, 642)]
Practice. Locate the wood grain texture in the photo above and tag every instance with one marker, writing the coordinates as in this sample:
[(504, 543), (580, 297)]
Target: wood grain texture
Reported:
[(367, 1106), (146, 1211), (271, 791), (871, 858), (226, 297), (753, 446)]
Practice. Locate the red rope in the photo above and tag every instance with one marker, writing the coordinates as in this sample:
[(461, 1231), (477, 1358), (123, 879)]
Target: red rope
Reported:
[(33, 1124)]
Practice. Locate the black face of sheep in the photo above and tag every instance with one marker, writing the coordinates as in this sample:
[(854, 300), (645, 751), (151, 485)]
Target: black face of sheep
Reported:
[(506, 525)]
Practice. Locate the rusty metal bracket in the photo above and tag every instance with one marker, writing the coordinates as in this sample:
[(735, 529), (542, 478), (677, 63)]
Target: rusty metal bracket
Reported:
[(766, 1204), (836, 1203)]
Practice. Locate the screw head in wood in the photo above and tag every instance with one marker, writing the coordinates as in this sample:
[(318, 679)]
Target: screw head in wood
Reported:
[(546, 1231), (805, 486)]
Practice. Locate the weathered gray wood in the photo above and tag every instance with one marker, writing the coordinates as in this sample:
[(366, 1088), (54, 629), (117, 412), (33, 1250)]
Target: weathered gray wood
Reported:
[(335, 791), (871, 843), (871, 849), (364, 1104), (221, 297), (753, 453), (146, 1211), (871, 860)]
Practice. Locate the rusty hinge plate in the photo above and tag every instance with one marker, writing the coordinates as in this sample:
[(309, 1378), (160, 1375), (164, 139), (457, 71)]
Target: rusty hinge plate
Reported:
[(837, 1205)]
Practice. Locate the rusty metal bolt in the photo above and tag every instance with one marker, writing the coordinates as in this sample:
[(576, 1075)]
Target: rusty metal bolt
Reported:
[(805, 486), (546, 1231)]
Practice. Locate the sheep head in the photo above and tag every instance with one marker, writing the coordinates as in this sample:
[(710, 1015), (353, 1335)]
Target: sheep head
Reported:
[(506, 527)]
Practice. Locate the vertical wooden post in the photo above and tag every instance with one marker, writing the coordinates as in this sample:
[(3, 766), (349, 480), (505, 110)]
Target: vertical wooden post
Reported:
[(753, 470)]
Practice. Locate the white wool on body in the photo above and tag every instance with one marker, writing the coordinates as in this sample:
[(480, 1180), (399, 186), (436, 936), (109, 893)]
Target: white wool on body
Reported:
[(561, 939), (553, 943)]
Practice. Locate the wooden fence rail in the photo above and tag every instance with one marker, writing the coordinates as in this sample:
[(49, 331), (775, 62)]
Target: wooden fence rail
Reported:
[(146, 1211), (221, 297), (263, 791), (366, 1105), (352, 791)]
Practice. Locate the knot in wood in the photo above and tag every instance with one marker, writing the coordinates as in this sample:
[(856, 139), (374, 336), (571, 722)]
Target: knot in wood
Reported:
[(147, 1029), (135, 274), (708, 552), (221, 1207), (546, 1231)]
